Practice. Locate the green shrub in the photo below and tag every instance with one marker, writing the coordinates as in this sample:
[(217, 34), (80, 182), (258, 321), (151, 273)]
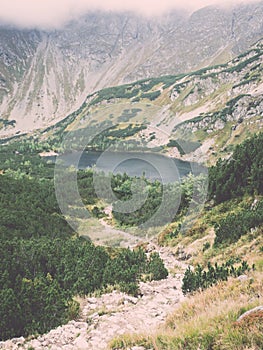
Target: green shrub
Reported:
[(152, 95), (199, 279), (206, 246), (233, 226), (156, 268), (239, 175)]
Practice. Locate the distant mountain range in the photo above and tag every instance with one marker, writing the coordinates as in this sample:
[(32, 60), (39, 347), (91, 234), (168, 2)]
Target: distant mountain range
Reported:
[(46, 75)]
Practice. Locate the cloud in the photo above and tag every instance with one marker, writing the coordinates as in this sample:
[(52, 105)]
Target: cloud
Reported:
[(54, 13)]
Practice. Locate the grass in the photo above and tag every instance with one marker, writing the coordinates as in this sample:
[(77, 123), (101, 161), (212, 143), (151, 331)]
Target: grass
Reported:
[(202, 227), (248, 247), (207, 320), (226, 139), (93, 229), (113, 112)]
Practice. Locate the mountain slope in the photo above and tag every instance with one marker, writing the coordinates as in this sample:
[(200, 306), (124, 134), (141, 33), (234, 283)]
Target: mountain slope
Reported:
[(45, 75), (213, 315), (196, 116), (207, 319)]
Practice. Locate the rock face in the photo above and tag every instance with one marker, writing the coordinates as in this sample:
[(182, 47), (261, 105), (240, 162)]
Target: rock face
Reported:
[(44, 75), (256, 310), (113, 314)]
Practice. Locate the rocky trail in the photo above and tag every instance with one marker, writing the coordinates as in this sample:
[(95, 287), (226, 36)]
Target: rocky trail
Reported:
[(128, 240), (105, 317)]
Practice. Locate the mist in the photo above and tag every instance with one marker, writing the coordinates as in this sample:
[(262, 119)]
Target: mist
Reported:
[(54, 14)]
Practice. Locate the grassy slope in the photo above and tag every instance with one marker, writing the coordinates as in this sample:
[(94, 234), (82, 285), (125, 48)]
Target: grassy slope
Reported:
[(207, 320)]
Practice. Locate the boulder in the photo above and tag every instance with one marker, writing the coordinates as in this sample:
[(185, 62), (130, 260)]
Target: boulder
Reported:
[(251, 312)]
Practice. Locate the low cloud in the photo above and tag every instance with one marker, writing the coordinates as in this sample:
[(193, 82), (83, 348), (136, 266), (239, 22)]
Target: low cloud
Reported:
[(54, 13)]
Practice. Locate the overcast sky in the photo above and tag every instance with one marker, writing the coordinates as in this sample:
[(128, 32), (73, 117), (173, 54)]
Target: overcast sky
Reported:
[(54, 13)]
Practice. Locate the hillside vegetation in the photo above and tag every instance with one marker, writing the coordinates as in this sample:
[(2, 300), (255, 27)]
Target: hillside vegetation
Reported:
[(241, 174), (196, 116), (42, 258), (208, 320), (225, 243), (44, 264)]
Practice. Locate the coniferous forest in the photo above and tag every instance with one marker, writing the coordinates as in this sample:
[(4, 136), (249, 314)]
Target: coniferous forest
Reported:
[(44, 264)]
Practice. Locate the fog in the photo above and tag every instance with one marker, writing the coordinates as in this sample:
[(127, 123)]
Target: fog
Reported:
[(55, 13)]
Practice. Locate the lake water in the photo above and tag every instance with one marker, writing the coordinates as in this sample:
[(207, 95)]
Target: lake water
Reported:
[(151, 165)]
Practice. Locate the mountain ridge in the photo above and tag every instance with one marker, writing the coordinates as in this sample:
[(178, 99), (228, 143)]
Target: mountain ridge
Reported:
[(98, 50)]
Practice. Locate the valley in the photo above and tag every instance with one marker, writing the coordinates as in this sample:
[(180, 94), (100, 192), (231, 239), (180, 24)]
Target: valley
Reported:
[(131, 192)]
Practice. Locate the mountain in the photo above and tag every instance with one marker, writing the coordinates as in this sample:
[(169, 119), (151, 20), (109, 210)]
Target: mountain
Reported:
[(46, 74), (198, 116)]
